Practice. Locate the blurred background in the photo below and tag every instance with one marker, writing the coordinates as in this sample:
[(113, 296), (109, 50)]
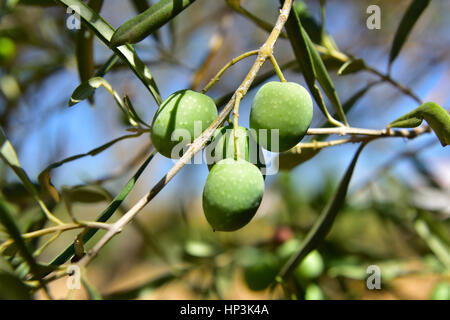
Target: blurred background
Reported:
[(398, 205)]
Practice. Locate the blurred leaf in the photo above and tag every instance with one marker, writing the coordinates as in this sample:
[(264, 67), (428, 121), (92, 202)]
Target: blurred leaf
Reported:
[(436, 116), (153, 284), (104, 32), (351, 66), (411, 16), (86, 194), (92, 292), (289, 160), (7, 221), (144, 24), (84, 47), (12, 288), (436, 245), (106, 214), (199, 249), (325, 221)]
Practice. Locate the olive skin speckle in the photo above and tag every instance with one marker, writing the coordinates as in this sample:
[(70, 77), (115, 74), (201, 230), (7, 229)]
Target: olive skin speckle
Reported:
[(283, 106), (232, 194), (178, 114)]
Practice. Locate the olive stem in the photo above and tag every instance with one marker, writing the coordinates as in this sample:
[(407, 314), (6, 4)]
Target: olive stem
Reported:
[(233, 61), (277, 69), (342, 131), (237, 102), (59, 228)]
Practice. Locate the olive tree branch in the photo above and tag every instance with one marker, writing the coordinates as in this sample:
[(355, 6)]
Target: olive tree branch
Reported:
[(58, 229), (225, 67), (342, 131), (263, 53)]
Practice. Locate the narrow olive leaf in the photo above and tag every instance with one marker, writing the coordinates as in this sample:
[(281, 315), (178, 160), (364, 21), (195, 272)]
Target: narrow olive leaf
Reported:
[(111, 62), (325, 221), (104, 32), (324, 79), (132, 112), (107, 213), (436, 117), (351, 66), (298, 39), (86, 194), (436, 245), (44, 177), (144, 24), (13, 288), (411, 16), (135, 292), (91, 291), (141, 6), (8, 222), (84, 48)]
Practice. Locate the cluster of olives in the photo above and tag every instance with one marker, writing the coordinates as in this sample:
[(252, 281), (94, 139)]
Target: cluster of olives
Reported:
[(280, 115)]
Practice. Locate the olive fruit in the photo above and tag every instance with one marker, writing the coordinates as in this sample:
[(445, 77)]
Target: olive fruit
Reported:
[(311, 266), (180, 119), (283, 106), (261, 270), (222, 147), (232, 194), (7, 49)]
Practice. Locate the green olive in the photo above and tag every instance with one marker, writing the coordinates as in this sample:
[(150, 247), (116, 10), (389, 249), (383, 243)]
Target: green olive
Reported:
[(232, 194), (280, 115), (180, 119), (222, 147)]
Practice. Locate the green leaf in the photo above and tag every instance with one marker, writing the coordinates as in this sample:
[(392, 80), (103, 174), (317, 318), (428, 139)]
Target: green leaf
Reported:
[(12, 288), (84, 48), (107, 213), (153, 284), (411, 16), (104, 32), (141, 6), (8, 222), (144, 24), (91, 291), (325, 221), (86, 194), (351, 66), (436, 116)]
